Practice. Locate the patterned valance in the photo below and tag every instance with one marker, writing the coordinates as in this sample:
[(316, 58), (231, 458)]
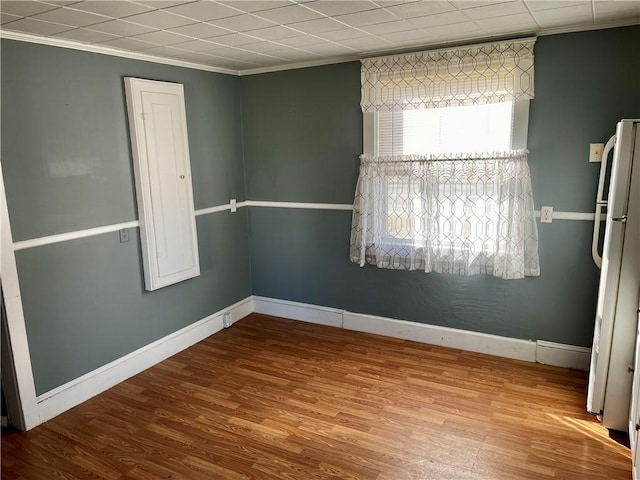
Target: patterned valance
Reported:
[(469, 75)]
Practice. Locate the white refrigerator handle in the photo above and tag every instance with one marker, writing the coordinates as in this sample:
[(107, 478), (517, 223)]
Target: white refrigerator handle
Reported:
[(600, 202)]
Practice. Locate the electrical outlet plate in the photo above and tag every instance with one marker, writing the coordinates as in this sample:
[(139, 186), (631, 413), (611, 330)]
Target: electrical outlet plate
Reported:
[(546, 214), (233, 205), (124, 235), (595, 152)]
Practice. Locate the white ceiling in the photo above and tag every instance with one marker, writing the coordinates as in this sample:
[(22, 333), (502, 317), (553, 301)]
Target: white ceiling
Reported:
[(245, 36)]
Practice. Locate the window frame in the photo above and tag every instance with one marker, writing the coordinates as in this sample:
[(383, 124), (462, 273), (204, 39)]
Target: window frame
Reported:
[(519, 135)]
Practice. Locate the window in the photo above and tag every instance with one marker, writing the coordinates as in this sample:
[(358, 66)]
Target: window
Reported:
[(447, 130), (444, 183), (476, 128)]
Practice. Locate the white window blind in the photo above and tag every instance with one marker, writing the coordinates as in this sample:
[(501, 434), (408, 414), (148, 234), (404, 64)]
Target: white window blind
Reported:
[(477, 128)]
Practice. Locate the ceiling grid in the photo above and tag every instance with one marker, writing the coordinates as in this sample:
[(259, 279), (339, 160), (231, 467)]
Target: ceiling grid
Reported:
[(243, 36)]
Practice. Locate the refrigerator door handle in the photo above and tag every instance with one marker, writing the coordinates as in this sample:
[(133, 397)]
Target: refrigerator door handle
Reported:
[(600, 202)]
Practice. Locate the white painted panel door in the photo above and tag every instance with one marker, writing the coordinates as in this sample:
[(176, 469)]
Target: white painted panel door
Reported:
[(159, 141)]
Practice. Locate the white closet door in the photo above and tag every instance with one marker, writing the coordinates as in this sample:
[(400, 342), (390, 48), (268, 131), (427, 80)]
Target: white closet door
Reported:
[(158, 127)]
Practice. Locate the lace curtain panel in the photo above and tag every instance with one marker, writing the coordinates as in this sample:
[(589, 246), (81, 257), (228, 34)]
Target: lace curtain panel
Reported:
[(476, 74), (461, 214)]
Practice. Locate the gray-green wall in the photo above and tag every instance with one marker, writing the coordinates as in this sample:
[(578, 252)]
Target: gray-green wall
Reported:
[(67, 166), (303, 134)]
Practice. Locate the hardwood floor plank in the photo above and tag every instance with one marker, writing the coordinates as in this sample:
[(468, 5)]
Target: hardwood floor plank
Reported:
[(273, 398)]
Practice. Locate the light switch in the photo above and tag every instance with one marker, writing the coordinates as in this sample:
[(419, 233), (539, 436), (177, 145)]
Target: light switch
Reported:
[(595, 152)]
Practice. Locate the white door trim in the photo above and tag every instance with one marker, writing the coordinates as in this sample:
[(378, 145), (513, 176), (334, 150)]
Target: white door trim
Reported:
[(15, 320)]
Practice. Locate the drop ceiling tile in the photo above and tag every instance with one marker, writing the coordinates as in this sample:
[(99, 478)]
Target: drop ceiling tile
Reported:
[(463, 30), (121, 27), (328, 49), (159, 19), (6, 18), (580, 14), (332, 7), (521, 29), (111, 8), (367, 44), (243, 23), (193, 57), (524, 19), (36, 27), (301, 41), (128, 44), (447, 18), (171, 52), (344, 34), (200, 30), (367, 18), (24, 9), (535, 5), (290, 14), (420, 9), (321, 25), (204, 11), (262, 47), (197, 45), (234, 40), (274, 33), (162, 3), (295, 55), (162, 37), (499, 10), (58, 3), (475, 3), (607, 11), (409, 35), (388, 27), (256, 6), (237, 54), (86, 36), (391, 3), (68, 16)]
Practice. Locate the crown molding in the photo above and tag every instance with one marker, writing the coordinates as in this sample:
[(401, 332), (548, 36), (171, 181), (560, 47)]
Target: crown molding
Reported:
[(59, 42), (55, 42), (297, 65), (625, 22)]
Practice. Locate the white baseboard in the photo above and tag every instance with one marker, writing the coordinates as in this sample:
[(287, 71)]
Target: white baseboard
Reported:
[(562, 355), (542, 352), (67, 396), (443, 336), (298, 311)]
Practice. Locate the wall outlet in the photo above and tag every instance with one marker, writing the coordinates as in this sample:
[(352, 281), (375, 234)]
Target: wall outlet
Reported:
[(226, 320), (233, 204), (124, 235), (546, 214), (595, 152)]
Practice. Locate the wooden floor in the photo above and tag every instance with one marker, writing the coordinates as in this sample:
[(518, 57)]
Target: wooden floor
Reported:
[(279, 399)]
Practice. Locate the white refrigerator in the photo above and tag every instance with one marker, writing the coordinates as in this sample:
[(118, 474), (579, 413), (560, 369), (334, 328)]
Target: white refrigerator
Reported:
[(612, 354)]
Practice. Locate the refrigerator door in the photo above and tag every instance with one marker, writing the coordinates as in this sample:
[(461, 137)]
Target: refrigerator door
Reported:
[(611, 265)]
